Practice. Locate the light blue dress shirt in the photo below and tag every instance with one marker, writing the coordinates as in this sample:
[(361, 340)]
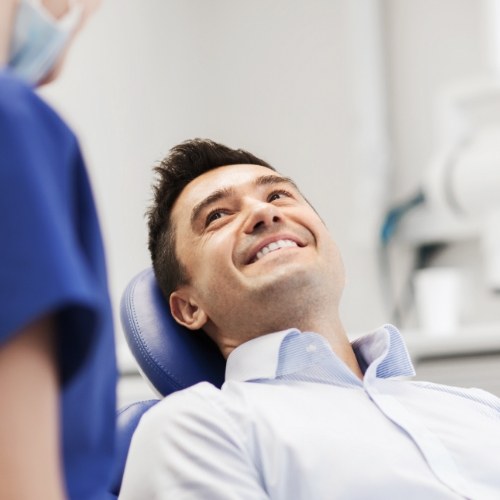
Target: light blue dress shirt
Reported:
[(292, 422)]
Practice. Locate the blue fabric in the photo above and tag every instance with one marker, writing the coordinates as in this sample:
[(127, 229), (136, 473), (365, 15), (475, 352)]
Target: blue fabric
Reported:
[(308, 357), (126, 422), (169, 355), (52, 261)]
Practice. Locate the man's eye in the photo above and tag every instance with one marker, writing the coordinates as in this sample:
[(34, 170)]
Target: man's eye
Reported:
[(276, 195), (213, 216)]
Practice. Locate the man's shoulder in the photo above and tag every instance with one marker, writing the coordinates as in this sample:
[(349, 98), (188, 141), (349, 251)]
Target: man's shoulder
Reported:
[(201, 406), (185, 402), (199, 391), (475, 396)]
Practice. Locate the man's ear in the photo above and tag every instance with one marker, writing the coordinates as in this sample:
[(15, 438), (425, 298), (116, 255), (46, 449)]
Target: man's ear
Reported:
[(187, 311)]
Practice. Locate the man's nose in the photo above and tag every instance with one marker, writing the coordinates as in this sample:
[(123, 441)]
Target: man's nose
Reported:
[(262, 215)]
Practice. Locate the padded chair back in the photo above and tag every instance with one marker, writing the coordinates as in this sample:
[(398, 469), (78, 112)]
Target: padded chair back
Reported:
[(170, 356), (127, 420)]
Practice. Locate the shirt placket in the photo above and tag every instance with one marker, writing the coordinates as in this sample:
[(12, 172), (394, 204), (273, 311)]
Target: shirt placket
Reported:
[(437, 456)]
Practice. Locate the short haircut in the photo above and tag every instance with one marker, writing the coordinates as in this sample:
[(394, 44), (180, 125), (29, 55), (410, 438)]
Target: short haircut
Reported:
[(184, 163)]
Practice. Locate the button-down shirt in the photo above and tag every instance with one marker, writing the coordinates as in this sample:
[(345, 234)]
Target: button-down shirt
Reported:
[(292, 422)]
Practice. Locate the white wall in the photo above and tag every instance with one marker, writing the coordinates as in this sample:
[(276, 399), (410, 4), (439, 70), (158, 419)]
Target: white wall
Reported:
[(299, 83), (429, 44)]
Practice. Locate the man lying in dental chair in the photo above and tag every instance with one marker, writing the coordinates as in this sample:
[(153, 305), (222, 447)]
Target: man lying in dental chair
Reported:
[(303, 414)]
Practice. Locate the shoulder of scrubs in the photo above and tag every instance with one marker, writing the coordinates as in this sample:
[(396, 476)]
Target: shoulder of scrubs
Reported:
[(52, 263), (50, 237)]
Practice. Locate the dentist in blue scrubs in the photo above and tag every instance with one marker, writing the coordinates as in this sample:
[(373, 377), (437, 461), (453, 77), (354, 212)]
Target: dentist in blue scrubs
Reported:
[(57, 362)]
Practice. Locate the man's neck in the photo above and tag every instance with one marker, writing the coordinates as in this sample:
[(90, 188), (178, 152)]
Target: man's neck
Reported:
[(332, 330)]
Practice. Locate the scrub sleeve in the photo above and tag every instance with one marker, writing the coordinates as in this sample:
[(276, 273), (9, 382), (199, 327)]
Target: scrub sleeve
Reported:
[(52, 262)]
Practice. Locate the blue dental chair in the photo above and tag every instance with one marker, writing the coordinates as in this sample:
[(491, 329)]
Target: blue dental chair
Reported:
[(170, 356)]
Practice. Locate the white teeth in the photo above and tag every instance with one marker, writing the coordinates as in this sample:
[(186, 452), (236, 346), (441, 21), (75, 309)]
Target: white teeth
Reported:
[(275, 245)]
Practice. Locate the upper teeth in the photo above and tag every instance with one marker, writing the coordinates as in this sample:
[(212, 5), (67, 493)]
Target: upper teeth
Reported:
[(275, 245)]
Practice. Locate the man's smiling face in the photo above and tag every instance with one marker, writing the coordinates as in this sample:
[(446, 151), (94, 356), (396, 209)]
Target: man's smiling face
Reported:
[(252, 246)]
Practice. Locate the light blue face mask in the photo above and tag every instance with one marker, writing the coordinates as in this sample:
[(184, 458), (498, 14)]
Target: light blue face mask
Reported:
[(38, 39)]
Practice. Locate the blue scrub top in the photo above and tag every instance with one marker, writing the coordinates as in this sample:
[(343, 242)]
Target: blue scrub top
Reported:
[(52, 261)]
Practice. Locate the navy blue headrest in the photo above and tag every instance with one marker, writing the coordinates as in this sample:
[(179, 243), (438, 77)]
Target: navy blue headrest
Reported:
[(170, 356)]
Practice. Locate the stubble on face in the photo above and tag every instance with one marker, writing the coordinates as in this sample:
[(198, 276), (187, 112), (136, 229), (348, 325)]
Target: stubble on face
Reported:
[(284, 288)]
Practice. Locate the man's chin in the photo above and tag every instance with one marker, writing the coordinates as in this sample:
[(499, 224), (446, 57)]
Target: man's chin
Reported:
[(284, 280)]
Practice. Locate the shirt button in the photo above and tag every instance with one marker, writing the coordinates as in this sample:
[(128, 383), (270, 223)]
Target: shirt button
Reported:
[(311, 348)]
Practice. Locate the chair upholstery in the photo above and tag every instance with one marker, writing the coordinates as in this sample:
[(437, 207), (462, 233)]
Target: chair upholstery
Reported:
[(169, 356), (127, 420)]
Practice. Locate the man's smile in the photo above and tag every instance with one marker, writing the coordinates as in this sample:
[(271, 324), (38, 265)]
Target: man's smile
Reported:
[(273, 244)]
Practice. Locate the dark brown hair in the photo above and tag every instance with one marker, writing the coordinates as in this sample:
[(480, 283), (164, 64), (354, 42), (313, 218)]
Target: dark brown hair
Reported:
[(183, 163)]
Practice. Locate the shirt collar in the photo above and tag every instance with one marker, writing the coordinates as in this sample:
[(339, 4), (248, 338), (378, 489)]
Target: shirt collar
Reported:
[(256, 358), (381, 354)]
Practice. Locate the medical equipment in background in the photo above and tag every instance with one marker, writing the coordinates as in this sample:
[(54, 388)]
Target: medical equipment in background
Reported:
[(459, 197), (463, 181)]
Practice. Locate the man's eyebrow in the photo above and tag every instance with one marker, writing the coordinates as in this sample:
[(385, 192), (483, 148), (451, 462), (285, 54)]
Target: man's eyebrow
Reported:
[(217, 195), (265, 180), (227, 192)]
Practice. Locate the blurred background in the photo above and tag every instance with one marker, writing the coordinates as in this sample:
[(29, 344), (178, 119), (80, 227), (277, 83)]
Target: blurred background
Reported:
[(385, 112)]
